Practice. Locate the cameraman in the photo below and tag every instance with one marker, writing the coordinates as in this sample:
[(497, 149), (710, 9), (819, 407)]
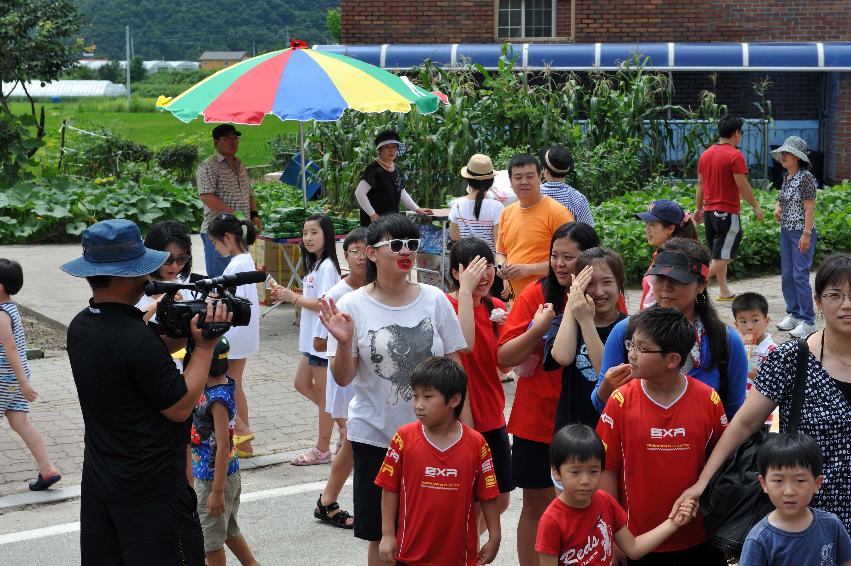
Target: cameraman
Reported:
[(136, 506)]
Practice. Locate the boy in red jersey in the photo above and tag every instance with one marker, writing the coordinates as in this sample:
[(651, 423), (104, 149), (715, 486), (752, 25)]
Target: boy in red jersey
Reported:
[(437, 468), (580, 524), (658, 430)]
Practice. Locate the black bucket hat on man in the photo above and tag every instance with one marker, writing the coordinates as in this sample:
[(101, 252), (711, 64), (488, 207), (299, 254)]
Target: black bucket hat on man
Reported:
[(114, 248), (679, 267)]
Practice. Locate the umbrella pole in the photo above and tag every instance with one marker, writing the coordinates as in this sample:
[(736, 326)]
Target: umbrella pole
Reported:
[(303, 174)]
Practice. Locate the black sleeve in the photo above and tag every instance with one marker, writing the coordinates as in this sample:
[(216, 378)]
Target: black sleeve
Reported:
[(152, 369)]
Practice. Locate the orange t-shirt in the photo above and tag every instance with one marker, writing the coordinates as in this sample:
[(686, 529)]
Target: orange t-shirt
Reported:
[(525, 234)]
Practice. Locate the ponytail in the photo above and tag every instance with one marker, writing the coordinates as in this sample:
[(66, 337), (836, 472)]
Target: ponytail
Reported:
[(243, 230), (482, 186)]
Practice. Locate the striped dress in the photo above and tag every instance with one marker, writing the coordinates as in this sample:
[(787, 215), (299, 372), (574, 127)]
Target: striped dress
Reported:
[(462, 214), (11, 398)]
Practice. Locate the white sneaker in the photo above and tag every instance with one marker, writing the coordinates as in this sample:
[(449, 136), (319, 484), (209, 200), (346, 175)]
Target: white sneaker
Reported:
[(788, 323), (803, 330)]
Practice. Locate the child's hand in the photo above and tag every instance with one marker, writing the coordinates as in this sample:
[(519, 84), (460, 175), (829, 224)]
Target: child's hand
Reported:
[(684, 513), (28, 392), (469, 277), (544, 316), (339, 324), (581, 305), (488, 551), (387, 548), (216, 503), (617, 376)]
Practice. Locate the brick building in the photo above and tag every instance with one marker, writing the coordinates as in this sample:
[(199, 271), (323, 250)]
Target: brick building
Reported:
[(822, 96)]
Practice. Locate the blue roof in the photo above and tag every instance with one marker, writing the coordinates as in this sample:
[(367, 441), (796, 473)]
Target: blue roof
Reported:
[(814, 56)]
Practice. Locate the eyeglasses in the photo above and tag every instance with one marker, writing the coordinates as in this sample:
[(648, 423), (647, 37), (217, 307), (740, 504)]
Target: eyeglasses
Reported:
[(356, 251), (181, 259), (633, 347), (396, 245), (835, 299)]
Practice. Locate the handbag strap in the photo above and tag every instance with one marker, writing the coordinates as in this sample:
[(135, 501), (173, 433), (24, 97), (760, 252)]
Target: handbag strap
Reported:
[(800, 379)]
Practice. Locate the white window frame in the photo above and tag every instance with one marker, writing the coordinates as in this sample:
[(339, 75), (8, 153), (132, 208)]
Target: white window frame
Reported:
[(554, 24)]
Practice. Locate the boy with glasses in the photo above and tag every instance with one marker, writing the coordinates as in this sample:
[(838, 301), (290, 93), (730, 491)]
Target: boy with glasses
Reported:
[(661, 424)]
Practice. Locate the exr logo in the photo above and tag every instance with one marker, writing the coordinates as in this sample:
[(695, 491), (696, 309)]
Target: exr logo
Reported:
[(667, 432), (431, 472)]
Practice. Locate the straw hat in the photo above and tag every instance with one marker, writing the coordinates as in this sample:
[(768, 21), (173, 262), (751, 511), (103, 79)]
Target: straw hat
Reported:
[(478, 167), (794, 145)]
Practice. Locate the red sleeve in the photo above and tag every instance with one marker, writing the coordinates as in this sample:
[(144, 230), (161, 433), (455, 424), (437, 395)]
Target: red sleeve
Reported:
[(719, 420), (390, 475), (486, 486), (608, 430), (740, 167), (548, 540), (521, 314)]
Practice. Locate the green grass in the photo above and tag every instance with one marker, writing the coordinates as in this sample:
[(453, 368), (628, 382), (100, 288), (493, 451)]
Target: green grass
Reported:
[(151, 128)]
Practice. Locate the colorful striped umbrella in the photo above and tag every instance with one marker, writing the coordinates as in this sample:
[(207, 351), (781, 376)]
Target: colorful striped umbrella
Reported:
[(297, 84)]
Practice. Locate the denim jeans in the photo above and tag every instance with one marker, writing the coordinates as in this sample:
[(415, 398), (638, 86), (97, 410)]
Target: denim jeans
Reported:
[(795, 275), (215, 262)]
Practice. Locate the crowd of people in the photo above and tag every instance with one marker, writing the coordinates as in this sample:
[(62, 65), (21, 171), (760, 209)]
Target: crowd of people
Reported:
[(607, 402)]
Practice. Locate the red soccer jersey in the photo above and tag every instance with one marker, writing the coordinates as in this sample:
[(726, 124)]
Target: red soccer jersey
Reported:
[(487, 397), (437, 495), (533, 414), (716, 168), (658, 452), (584, 537)]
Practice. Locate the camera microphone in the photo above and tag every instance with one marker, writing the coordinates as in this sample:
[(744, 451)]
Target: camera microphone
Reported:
[(159, 287), (234, 280)]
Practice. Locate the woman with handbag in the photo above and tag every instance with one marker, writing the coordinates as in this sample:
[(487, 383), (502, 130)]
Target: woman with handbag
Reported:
[(825, 414)]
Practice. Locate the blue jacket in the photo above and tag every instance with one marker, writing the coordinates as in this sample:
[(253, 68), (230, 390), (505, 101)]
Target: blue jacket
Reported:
[(737, 367)]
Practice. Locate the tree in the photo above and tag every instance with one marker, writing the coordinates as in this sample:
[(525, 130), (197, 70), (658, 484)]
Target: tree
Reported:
[(333, 21), (110, 72), (34, 45), (137, 69)]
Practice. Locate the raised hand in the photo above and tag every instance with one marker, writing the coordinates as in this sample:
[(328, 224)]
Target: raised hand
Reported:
[(339, 324), (544, 316), (581, 305), (469, 277)]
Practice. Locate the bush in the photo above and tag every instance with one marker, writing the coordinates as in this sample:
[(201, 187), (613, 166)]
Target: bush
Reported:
[(760, 249), (58, 208), (104, 155), (179, 159), (16, 143)]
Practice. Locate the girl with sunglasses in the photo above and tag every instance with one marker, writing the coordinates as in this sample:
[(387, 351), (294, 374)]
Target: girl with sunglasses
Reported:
[(169, 236), (378, 333)]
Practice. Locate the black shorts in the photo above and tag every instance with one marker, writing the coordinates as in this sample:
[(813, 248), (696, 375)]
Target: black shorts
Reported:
[(497, 439), (367, 495), (530, 464), (701, 555), (165, 530), (723, 234)]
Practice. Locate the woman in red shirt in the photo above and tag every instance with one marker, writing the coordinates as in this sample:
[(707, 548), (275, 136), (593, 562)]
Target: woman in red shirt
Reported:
[(481, 316), (535, 401)]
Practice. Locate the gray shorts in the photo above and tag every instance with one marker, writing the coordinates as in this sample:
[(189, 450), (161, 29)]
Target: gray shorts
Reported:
[(223, 527)]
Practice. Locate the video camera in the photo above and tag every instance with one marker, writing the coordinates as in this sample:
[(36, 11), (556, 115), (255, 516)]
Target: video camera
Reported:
[(174, 317)]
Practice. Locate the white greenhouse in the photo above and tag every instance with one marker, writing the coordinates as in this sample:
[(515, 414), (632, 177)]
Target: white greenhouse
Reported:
[(67, 89)]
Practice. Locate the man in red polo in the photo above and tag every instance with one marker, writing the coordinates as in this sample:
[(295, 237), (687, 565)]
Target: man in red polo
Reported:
[(722, 180)]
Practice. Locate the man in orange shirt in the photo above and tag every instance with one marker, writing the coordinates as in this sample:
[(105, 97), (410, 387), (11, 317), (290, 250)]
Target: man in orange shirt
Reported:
[(526, 227)]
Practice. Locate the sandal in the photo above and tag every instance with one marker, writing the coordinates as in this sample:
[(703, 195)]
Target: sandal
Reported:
[(244, 454), (40, 483), (338, 519), (242, 439), (312, 457)]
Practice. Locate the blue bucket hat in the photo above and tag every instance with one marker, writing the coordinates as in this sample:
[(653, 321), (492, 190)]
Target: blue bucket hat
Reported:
[(114, 247)]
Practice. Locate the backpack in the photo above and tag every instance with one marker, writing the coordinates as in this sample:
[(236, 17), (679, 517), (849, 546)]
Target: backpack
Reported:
[(734, 501)]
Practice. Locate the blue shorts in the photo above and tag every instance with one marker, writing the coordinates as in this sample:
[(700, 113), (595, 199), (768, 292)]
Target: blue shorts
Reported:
[(11, 398), (315, 361)]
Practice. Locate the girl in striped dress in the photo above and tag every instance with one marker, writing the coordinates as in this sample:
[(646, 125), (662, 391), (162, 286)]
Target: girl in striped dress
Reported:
[(15, 390)]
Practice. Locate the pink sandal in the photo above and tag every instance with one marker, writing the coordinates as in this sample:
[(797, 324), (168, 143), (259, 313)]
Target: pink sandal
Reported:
[(312, 457)]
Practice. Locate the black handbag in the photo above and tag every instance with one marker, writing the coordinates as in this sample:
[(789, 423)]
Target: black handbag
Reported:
[(733, 501)]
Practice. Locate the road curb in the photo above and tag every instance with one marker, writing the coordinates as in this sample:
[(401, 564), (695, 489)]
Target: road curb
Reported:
[(18, 501)]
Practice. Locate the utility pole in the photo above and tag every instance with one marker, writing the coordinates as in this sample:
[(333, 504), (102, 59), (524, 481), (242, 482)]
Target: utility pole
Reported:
[(127, 39), (254, 49)]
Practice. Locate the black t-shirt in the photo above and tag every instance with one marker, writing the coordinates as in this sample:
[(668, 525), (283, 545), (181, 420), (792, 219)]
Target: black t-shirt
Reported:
[(125, 377), (577, 380), (386, 190)]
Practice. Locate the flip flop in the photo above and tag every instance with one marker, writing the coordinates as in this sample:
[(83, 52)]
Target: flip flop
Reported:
[(730, 298), (312, 457), (243, 454), (40, 484), (242, 439)]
